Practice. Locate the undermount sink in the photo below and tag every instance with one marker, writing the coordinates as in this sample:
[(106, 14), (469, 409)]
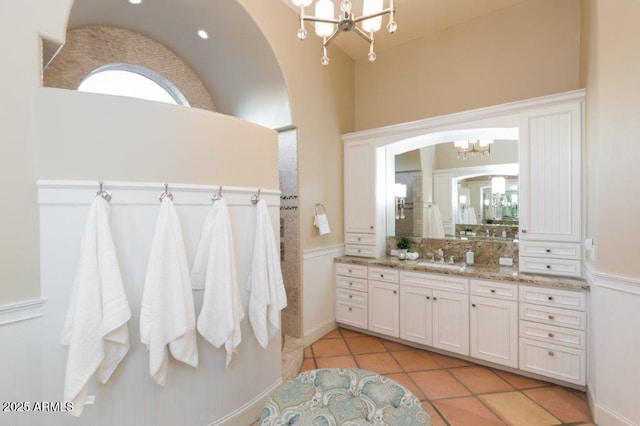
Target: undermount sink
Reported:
[(440, 265)]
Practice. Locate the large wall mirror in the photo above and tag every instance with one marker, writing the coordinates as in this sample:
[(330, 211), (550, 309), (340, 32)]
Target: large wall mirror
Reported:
[(435, 186)]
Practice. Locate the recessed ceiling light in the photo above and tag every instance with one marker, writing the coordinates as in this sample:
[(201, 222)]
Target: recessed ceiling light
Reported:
[(203, 34), (134, 1)]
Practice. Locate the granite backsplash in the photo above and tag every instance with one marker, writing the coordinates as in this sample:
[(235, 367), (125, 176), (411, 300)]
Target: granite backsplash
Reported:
[(485, 252)]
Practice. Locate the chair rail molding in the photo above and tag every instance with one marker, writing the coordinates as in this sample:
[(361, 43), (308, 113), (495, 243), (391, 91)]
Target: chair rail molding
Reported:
[(22, 311)]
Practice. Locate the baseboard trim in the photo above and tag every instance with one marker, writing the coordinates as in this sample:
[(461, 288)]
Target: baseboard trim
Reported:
[(249, 412), (317, 332), (604, 416), (337, 250), (22, 311)]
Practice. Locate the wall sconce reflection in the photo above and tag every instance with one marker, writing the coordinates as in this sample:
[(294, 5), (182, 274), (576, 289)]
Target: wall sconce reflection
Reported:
[(400, 192)]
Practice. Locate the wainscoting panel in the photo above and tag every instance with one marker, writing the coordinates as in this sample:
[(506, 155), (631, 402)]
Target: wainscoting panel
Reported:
[(319, 291), (614, 348), (192, 396)]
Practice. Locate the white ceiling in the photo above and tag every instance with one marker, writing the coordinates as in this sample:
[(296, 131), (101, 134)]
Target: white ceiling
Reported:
[(415, 18)]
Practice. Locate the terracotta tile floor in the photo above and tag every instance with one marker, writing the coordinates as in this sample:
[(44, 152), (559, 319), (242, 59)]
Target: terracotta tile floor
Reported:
[(454, 392)]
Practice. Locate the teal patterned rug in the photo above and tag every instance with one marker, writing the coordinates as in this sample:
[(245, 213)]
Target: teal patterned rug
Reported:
[(342, 397)]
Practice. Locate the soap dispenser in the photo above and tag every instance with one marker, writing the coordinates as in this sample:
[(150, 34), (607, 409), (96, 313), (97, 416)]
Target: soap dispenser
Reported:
[(469, 256)]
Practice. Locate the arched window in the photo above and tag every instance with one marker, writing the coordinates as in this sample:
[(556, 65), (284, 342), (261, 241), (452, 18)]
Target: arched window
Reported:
[(133, 81)]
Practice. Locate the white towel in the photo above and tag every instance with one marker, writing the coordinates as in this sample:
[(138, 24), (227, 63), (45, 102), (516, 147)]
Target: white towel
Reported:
[(96, 324), (471, 216), (167, 315), (214, 269), (436, 230), (320, 221), (267, 295)]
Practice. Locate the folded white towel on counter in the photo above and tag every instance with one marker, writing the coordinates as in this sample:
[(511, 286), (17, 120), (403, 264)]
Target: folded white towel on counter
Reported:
[(95, 328), (320, 221), (167, 315), (214, 269), (412, 255), (267, 295)]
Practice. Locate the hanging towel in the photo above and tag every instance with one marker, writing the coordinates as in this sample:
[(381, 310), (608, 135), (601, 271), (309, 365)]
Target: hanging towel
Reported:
[(167, 315), (320, 221), (214, 269), (471, 216), (267, 296), (436, 230), (96, 324)]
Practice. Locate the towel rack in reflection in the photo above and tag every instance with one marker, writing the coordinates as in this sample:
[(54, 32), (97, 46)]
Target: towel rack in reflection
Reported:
[(320, 208)]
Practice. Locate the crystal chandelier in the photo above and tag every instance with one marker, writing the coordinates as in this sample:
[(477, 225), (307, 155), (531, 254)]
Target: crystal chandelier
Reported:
[(481, 146), (328, 27)]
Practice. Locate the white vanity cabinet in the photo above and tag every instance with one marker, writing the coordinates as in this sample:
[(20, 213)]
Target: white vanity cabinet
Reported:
[(494, 322), (384, 301), (550, 189), (352, 295), (434, 311), (553, 333)]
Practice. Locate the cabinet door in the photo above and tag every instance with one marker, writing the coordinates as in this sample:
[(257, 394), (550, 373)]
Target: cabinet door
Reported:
[(384, 308), (550, 188), (416, 314), (359, 187), (451, 321), (494, 330)]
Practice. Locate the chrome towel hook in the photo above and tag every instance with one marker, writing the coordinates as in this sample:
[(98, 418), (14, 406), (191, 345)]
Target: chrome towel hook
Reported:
[(165, 193), (103, 193), (218, 196), (255, 197)]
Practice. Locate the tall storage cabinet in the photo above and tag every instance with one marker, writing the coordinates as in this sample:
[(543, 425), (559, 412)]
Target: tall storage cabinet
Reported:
[(363, 226), (550, 189)]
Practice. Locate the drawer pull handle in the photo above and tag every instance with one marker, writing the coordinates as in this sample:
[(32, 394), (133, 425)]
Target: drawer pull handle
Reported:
[(351, 296), (371, 226), (428, 298), (551, 353), (359, 239), (350, 271), (550, 335), (551, 317), (548, 266), (548, 250), (381, 275), (524, 231), (435, 298), (493, 290), (350, 284), (550, 298), (350, 309), (359, 251), (473, 304), (395, 292)]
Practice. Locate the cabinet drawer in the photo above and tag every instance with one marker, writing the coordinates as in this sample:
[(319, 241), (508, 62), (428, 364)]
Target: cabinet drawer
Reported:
[(553, 316), (444, 282), (540, 265), (555, 361), (350, 283), (353, 314), (351, 238), (552, 334), (361, 251), (498, 290), (551, 250), (385, 275), (351, 296), (356, 271), (554, 297)]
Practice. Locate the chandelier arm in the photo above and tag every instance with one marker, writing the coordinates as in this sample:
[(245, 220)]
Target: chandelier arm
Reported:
[(373, 15), (331, 37), (314, 19), (362, 34)]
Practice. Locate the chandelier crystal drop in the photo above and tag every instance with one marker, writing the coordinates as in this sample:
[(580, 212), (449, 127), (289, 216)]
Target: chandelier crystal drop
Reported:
[(328, 27)]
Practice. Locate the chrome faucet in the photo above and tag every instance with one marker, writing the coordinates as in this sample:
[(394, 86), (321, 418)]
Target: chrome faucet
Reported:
[(440, 256)]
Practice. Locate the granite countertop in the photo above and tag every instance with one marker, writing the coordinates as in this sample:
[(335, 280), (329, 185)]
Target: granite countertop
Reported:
[(489, 272)]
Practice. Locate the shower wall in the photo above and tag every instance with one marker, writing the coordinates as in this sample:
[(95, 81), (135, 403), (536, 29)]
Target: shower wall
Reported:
[(288, 166)]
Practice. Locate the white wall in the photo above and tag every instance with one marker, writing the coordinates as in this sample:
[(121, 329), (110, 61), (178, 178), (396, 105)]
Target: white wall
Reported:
[(200, 396), (319, 292)]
